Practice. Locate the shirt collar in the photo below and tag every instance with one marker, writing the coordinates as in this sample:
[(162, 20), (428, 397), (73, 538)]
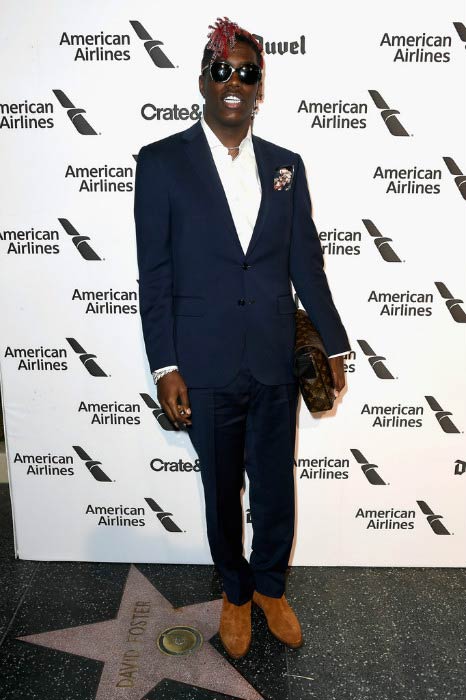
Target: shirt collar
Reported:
[(214, 141)]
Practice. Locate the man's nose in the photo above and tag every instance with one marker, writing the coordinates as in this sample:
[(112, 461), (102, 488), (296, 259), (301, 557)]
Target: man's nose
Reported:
[(234, 80)]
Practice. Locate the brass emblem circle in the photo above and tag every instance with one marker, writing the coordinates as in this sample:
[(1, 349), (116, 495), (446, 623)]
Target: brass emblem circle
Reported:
[(176, 641)]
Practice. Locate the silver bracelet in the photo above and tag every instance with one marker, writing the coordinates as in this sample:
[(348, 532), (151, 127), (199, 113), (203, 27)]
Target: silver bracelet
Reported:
[(157, 373)]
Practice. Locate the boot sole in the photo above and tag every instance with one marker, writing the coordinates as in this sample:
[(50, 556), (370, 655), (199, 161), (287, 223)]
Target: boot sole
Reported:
[(292, 645)]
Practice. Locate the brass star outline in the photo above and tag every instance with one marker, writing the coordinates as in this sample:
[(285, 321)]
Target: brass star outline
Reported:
[(127, 646)]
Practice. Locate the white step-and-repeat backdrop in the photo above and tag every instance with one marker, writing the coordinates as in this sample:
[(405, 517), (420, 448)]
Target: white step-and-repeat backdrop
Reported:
[(373, 98)]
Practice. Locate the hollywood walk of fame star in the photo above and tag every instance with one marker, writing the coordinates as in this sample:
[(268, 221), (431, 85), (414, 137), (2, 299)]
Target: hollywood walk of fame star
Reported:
[(127, 645)]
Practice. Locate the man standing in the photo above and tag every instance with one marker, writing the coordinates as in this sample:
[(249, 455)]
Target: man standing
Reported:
[(223, 223)]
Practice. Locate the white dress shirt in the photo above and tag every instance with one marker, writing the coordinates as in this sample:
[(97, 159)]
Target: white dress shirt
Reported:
[(242, 185)]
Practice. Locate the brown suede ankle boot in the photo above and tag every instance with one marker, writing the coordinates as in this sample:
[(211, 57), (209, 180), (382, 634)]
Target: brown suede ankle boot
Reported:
[(281, 620), (235, 627)]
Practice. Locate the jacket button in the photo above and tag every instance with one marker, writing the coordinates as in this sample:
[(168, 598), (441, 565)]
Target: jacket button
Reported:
[(241, 302), (245, 266)]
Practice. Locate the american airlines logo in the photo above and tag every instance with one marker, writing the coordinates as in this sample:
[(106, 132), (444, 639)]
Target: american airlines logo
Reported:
[(158, 412), (164, 516), (442, 416), (369, 470), (75, 114), (93, 465), (87, 358), (417, 48), (375, 361), (26, 115), (152, 46), (452, 304), (433, 519), (79, 240), (459, 177), (461, 29), (382, 243), (388, 115)]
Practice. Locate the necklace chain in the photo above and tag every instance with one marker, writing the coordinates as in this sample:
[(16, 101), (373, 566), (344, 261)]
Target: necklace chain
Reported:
[(233, 148)]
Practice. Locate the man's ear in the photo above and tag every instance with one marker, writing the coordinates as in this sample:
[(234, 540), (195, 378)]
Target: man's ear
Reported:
[(201, 85)]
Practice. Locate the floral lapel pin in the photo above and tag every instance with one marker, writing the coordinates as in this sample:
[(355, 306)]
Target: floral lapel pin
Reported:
[(283, 177)]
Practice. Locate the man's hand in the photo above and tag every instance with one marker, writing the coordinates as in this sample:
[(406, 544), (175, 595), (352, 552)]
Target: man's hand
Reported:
[(172, 394), (338, 371)]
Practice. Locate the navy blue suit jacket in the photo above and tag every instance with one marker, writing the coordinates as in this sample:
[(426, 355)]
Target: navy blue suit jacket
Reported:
[(201, 298)]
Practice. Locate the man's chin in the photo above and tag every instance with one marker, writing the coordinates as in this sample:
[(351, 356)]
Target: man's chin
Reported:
[(233, 118)]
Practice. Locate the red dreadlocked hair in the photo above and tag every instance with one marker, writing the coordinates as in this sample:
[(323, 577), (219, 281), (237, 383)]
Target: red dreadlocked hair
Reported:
[(222, 38)]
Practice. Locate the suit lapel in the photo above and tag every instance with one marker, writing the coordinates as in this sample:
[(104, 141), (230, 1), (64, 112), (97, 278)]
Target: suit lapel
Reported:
[(201, 159)]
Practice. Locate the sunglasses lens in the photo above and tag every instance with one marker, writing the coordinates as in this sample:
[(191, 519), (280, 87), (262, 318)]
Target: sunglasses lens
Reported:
[(220, 72), (250, 73)]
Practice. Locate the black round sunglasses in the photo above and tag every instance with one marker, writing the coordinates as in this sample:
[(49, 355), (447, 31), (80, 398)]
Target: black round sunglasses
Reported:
[(221, 72)]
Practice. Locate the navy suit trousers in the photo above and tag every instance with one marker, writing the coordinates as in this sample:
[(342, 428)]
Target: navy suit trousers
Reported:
[(247, 426)]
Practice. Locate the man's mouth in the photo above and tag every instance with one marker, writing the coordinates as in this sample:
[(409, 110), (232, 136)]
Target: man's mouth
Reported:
[(232, 101)]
